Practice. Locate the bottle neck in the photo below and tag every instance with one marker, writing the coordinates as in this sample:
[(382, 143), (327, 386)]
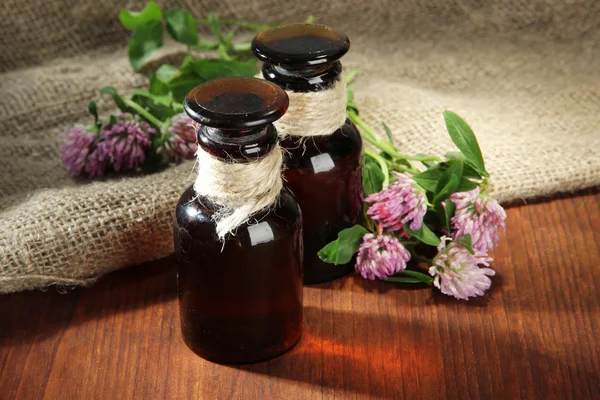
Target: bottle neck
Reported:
[(238, 189), (303, 79), (317, 98), (240, 145)]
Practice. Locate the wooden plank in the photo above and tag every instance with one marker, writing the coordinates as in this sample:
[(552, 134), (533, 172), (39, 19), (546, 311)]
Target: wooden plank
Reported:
[(535, 335)]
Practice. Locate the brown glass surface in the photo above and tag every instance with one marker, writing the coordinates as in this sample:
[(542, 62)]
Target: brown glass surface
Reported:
[(240, 301), (240, 145), (241, 297), (310, 79), (324, 173)]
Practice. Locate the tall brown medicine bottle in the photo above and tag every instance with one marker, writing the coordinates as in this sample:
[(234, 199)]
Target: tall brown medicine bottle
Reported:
[(324, 148)]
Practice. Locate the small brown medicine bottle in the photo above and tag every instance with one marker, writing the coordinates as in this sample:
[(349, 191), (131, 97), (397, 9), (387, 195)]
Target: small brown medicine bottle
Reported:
[(323, 147), (238, 231)]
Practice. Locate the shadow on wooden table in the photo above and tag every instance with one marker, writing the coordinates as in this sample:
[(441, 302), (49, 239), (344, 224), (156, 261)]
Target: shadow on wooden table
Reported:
[(40, 314), (395, 357), (327, 355), (355, 352)]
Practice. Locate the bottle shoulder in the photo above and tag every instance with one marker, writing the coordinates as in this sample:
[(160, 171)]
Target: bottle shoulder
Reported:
[(344, 142), (194, 217)]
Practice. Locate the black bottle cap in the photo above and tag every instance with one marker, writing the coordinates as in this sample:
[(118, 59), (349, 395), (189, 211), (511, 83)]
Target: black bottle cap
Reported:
[(300, 45), (235, 116), (236, 103)]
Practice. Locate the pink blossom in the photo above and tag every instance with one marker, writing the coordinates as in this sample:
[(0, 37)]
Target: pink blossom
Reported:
[(457, 273), (478, 215), (97, 163), (381, 256), (182, 139), (127, 141), (81, 155), (402, 201)]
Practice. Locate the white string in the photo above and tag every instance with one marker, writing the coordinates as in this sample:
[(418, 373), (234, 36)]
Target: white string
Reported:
[(239, 189), (314, 113)]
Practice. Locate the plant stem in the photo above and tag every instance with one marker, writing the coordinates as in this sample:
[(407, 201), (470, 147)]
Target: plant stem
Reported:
[(369, 134), (206, 45), (368, 222), (399, 167), (417, 275), (403, 168), (382, 164), (402, 279), (143, 112), (410, 277), (387, 147), (231, 33), (349, 76), (241, 47), (223, 53)]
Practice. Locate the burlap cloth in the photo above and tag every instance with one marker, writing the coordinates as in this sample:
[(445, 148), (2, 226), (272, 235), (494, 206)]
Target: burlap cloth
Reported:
[(524, 73)]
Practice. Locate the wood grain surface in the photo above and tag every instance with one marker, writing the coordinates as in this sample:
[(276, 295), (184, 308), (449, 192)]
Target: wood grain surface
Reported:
[(536, 335)]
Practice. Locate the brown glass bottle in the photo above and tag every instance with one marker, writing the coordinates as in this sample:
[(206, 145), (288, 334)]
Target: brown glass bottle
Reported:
[(324, 172), (240, 299)]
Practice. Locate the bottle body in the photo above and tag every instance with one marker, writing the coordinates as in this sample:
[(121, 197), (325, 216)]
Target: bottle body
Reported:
[(323, 168), (240, 300), (325, 175)]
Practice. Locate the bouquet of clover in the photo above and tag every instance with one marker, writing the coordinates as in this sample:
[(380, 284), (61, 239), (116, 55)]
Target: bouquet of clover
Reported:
[(420, 206)]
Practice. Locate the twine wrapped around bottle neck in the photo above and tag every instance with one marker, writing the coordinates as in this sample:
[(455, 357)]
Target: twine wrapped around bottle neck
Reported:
[(238, 189), (314, 113)]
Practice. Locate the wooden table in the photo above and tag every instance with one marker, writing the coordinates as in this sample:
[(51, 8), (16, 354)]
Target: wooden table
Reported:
[(535, 335)]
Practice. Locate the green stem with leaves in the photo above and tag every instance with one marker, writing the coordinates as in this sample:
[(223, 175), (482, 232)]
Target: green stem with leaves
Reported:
[(410, 277), (368, 133), (382, 164), (223, 53), (387, 147), (394, 166), (206, 45), (241, 47), (143, 112)]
